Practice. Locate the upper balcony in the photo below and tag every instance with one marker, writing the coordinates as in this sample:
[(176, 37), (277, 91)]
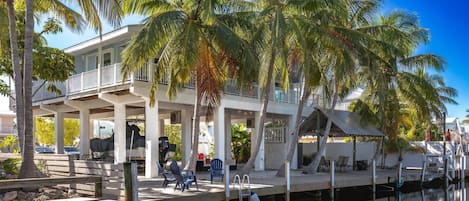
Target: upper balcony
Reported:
[(111, 76), (98, 68)]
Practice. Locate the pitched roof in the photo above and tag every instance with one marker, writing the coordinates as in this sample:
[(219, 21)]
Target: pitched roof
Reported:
[(344, 123)]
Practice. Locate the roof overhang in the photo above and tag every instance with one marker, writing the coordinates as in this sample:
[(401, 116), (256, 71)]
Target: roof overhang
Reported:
[(107, 38)]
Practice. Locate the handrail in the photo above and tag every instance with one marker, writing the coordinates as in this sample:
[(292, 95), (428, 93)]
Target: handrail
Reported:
[(241, 186)]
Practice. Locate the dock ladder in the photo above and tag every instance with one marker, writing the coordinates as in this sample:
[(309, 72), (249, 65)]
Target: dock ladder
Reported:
[(244, 191)]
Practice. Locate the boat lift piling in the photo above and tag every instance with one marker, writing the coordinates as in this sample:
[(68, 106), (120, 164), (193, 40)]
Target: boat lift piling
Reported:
[(424, 168), (287, 180), (332, 179), (399, 175), (373, 175)]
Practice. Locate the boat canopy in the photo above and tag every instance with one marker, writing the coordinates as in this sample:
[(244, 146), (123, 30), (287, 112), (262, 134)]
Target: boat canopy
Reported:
[(344, 124)]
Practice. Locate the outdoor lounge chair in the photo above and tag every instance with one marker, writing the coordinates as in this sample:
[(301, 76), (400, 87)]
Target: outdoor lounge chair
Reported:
[(183, 178), (216, 169), (342, 163), (168, 177)]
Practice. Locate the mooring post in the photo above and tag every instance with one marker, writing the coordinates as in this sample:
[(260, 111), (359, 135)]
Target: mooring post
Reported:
[(227, 181), (373, 175), (424, 168), (332, 174), (98, 188), (446, 172), (463, 190), (463, 168), (130, 181), (287, 180), (399, 175), (457, 173)]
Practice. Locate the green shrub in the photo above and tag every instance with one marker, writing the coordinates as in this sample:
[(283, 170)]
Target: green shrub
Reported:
[(240, 143), (11, 166), (174, 135)]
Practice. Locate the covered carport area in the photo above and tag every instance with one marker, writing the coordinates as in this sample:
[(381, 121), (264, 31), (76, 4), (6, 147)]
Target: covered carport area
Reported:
[(344, 124)]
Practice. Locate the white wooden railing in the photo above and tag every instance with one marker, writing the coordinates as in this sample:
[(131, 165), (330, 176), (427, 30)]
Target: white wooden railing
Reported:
[(111, 75)]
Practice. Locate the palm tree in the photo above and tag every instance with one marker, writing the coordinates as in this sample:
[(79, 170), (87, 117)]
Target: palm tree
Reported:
[(191, 38), (18, 77), (340, 44), (395, 81), (426, 93), (23, 76), (27, 163), (467, 117), (277, 20), (389, 68)]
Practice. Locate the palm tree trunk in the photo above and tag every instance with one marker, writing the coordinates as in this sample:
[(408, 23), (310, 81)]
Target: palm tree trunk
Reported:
[(28, 168), (265, 96), (195, 129), (313, 166), (294, 139), (18, 77)]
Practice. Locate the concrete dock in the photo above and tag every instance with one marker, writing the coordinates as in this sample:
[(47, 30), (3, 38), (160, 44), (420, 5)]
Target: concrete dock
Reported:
[(266, 183)]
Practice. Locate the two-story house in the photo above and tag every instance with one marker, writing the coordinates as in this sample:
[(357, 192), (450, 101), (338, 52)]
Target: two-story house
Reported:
[(97, 91)]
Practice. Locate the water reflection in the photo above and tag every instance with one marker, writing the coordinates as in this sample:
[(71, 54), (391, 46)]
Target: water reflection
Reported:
[(452, 193), (455, 192)]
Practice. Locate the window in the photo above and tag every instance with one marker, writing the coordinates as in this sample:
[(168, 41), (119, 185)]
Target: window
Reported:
[(92, 59), (91, 62), (107, 59), (275, 135)]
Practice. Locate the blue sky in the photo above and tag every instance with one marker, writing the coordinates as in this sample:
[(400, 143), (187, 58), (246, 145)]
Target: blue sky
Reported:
[(447, 21)]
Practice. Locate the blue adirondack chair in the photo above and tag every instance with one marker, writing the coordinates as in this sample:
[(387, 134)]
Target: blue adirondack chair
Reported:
[(216, 169), (184, 178), (168, 177)]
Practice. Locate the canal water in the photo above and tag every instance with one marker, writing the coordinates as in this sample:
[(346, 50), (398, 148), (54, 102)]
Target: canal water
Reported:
[(452, 193)]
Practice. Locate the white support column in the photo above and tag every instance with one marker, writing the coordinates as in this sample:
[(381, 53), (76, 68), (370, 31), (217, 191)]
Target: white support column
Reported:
[(161, 127), (84, 133), (291, 128), (59, 132), (186, 129), (120, 115), (152, 133), (260, 159), (91, 133), (219, 132), (119, 133), (86, 126), (100, 65)]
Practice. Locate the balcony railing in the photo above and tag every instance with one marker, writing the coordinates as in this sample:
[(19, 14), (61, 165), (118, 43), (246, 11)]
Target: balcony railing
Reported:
[(232, 88), (44, 94), (112, 75)]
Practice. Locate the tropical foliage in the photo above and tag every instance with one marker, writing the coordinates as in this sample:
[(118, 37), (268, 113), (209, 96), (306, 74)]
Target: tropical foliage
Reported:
[(45, 131), (174, 136), (10, 143), (331, 47), (240, 143), (195, 39), (23, 71)]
